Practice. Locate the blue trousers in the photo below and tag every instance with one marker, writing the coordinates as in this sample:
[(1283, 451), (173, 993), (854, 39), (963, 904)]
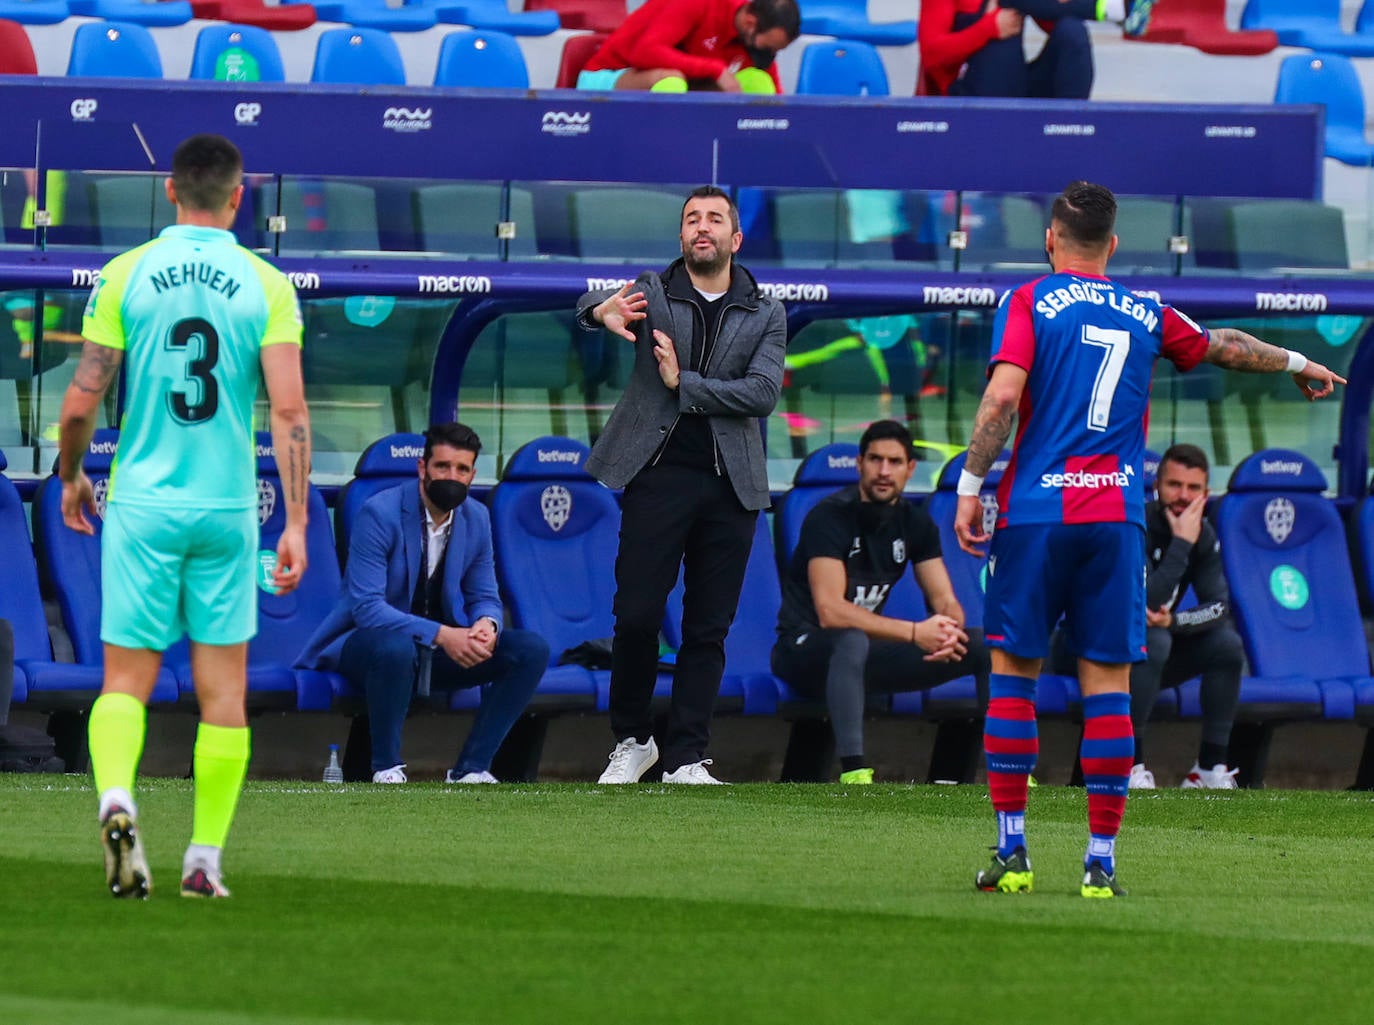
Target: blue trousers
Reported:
[(383, 663), (1062, 70)]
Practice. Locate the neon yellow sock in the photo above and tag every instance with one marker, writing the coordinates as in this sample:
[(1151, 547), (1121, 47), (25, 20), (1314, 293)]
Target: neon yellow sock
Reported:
[(221, 762), (115, 734)]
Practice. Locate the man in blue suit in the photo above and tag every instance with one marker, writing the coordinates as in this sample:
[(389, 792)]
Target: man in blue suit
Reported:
[(419, 566)]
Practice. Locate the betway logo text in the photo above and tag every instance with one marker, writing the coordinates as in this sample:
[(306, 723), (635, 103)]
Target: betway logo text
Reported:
[(451, 283), (103, 448), (1083, 479), (407, 452), (1279, 466), (842, 462), (1306, 302), (265, 450), (557, 456), (796, 293), (940, 295)]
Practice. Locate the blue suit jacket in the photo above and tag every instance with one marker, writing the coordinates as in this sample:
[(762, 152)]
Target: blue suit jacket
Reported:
[(384, 564)]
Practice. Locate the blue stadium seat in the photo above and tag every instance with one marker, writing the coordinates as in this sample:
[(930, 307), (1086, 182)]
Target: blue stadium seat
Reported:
[(70, 563), (1293, 592), (555, 532), (236, 53), (1330, 81), (493, 16), (161, 14), (845, 67), (285, 620), (113, 49), (376, 14), (848, 19), (821, 473), (357, 56), (481, 59), (1315, 24), (35, 12), (385, 463)]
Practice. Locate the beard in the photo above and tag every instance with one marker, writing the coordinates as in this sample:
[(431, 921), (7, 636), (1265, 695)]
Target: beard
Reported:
[(706, 265)]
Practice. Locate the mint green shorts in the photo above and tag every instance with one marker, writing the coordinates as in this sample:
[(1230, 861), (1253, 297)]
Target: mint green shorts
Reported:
[(168, 572)]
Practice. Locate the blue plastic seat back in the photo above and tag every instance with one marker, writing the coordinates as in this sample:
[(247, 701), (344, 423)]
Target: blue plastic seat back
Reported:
[(236, 53), (357, 56), (285, 620), (20, 600), (1327, 79), (1284, 551), (967, 573), (385, 463), (114, 49), (1292, 15), (161, 13), (71, 561), (555, 532), (481, 59), (843, 67), (821, 473)]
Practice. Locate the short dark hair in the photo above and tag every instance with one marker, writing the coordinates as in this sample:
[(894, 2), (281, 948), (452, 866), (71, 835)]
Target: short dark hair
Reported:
[(709, 192), (454, 435), (206, 169), (771, 14), (1087, 213), (1185, 455), (882, 430)]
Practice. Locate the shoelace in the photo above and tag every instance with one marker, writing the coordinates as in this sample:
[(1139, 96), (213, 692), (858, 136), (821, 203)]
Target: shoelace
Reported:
[(620, 757), (697, 770)]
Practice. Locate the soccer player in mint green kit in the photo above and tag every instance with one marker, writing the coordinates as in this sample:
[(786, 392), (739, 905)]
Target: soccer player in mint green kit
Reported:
[(192, 316)]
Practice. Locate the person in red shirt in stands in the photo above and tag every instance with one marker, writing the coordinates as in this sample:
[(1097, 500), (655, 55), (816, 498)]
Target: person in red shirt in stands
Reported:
[(673, 45), (973, 47)]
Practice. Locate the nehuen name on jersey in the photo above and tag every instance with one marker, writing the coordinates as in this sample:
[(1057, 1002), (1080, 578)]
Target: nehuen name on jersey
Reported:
[(192, 274)]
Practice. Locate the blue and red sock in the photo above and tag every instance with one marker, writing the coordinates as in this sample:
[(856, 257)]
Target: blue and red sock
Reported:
[(1107, 752), (1011, 744)]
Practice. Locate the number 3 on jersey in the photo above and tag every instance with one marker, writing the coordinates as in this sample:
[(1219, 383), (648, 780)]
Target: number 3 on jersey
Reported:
[(1116, 346), (198, 340)]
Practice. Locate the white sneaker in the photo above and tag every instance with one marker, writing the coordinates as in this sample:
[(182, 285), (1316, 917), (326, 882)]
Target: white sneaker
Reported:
[(395, 774), (470, 777), (693, 772), (629, 761), (1141, 778), (1218, 777)]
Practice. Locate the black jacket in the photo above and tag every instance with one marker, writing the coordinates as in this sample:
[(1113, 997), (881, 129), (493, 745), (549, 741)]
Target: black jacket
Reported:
[(1173, 564)]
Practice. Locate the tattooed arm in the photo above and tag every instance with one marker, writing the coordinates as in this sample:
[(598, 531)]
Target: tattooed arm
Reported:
[(991, 429), (1237, 350), (98, 367), (281, 371)]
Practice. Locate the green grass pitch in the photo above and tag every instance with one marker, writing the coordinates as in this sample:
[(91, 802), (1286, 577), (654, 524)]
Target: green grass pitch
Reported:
[(570, 903)]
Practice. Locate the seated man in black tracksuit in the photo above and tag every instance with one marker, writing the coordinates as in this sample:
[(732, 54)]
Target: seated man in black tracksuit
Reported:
[(1182, 550), (833, 640)]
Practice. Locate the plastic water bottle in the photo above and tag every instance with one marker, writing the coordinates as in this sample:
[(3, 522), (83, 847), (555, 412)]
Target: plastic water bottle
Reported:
[(333, 772)]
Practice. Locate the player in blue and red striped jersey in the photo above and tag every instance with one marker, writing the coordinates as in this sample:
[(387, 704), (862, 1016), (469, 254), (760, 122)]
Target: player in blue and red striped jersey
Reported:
[(1073, 356)]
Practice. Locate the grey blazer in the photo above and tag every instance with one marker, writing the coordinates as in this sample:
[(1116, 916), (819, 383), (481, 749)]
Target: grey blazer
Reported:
[(740, 384)]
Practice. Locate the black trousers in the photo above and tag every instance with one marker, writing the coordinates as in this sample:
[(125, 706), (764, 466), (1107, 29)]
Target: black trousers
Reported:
[(675, 517)]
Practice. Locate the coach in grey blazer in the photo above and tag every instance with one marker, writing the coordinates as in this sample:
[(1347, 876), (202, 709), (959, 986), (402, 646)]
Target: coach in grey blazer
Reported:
[(684, 441)]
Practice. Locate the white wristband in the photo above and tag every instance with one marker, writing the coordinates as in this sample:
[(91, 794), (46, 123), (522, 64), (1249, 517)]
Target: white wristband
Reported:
[(969, 484), (1297, 362)]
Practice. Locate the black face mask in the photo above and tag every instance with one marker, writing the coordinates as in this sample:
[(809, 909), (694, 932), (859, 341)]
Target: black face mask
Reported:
[(876, 515), (446, 495), (762, 58)]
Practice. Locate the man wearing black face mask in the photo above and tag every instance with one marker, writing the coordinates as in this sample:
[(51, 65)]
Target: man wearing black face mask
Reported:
[(419, 566), (833, 640)]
